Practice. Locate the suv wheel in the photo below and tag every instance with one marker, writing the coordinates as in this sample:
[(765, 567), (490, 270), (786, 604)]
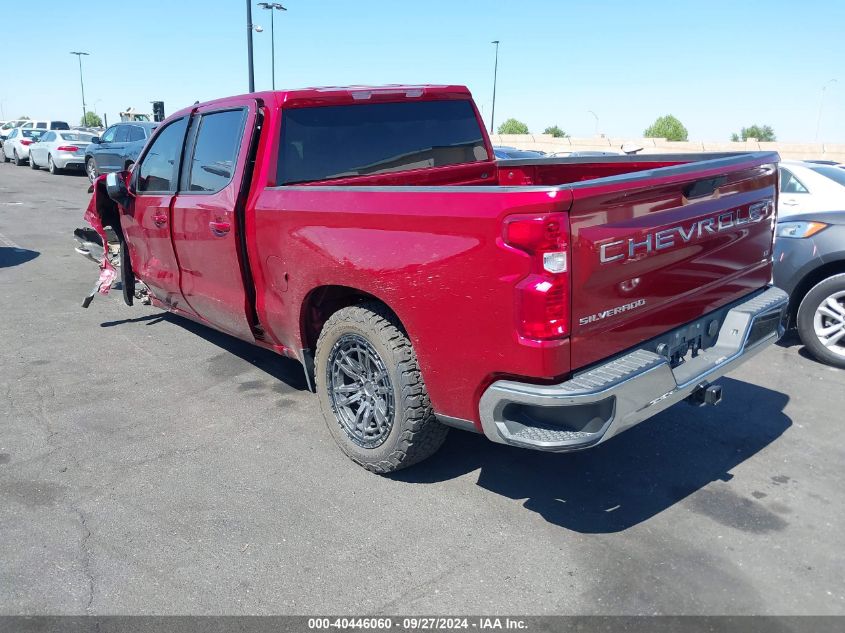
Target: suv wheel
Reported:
[(821, 321), (91, 169), (371, 390)]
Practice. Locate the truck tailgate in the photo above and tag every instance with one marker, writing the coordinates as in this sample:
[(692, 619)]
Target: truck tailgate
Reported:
[(658, 249)]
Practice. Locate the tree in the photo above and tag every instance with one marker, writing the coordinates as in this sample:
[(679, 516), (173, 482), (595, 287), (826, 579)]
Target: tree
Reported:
[(555, 131), (512, 126), (91, 119), (668, 127), (763, 133)]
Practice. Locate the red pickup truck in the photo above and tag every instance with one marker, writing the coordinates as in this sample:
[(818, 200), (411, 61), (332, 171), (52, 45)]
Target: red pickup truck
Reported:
[(371, 234)]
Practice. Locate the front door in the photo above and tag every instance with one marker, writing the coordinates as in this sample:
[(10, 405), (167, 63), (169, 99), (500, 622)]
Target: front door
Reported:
[(147, 223), (206, 235), (110, 154)]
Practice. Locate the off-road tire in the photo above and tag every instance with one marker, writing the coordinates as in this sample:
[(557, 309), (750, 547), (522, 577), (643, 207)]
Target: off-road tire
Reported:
[(415, 433), (806, 313)]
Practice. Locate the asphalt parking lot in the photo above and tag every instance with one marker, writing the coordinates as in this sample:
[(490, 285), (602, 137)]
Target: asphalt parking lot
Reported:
[(150, 465)]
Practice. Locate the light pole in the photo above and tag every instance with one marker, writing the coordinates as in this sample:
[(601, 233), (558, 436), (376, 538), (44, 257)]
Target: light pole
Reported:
[(821, 105), (79, 55), (596, 117), (249, 45), (495, 77), (270, 6)]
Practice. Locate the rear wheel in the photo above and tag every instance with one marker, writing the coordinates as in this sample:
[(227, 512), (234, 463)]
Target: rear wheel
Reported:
[(371, 391), (17, 159), (91, 169), (51, 166), (3, 153), (32, 164), (821, 321)]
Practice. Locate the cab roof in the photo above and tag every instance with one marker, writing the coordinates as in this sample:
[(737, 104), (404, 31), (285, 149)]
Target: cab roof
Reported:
[(340, 95)]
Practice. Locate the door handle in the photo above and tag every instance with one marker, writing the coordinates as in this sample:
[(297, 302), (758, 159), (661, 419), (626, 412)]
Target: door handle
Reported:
[(789, 203), (159, 219), (220, 228)]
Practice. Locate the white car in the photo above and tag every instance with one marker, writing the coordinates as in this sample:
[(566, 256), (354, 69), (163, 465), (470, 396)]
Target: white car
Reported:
[(810, 188), (59, 149), (16, 145), (8, 126)]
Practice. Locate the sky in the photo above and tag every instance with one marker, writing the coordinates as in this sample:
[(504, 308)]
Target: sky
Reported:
[(717, 65)]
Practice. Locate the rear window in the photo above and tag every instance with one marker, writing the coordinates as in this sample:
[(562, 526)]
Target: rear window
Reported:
[(836, 174), (321, 143), (30, 133), (76, 136)]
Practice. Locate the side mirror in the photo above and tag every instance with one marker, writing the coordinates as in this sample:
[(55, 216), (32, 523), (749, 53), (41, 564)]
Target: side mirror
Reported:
[(116, 188), (95, 140)]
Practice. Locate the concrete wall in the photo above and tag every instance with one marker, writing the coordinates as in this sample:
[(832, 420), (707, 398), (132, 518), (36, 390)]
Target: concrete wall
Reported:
[(548, 143)]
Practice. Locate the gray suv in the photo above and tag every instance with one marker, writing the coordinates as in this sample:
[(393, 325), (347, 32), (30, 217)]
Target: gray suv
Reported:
[(118, 148)]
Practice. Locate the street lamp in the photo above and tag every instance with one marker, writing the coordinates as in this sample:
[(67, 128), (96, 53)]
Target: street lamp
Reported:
[(821, 105), (495, 77), (596, 117), (249, 28), (270, 6), (79, 55)]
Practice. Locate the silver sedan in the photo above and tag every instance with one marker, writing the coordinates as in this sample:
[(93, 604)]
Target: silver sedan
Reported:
[(58, 150)]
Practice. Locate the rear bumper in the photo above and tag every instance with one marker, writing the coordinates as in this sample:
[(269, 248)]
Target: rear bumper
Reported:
[(599, 403)]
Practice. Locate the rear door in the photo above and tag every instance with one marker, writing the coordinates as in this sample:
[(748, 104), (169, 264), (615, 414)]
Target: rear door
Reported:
[(206, 233), (146, 224), (655, 250)]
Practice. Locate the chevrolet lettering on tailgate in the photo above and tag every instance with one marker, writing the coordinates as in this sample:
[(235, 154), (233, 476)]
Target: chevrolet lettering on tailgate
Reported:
[(621, 250)]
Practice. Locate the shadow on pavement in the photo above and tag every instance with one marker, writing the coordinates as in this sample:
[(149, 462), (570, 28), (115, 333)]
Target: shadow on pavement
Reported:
[(14, 256), (630, 478), (279, 367)]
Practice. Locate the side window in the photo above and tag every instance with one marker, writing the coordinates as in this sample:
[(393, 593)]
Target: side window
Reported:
[(13, 133), (41, 125), (49, 136), (122, 134), (108, 135), (159, 167), (136, 133), (789, 183), (27, 125), (216, 150)]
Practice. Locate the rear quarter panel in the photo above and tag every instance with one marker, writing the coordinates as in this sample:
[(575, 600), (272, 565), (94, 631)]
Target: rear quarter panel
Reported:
[(434, 255)]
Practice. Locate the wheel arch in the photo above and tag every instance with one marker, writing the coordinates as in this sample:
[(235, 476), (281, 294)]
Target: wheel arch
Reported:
[(321, 303), (810, 280)]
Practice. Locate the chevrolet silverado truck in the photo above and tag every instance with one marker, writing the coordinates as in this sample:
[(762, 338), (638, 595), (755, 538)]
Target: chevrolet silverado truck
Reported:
[(370, 233)]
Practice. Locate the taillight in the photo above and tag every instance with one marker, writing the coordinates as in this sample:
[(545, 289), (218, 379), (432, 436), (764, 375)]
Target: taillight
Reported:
[(67, 148), (542, 301), (26, 141)]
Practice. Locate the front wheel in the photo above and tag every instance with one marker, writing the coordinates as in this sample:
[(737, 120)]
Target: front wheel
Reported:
[(821, 321), (91, 169), (371, 390)]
